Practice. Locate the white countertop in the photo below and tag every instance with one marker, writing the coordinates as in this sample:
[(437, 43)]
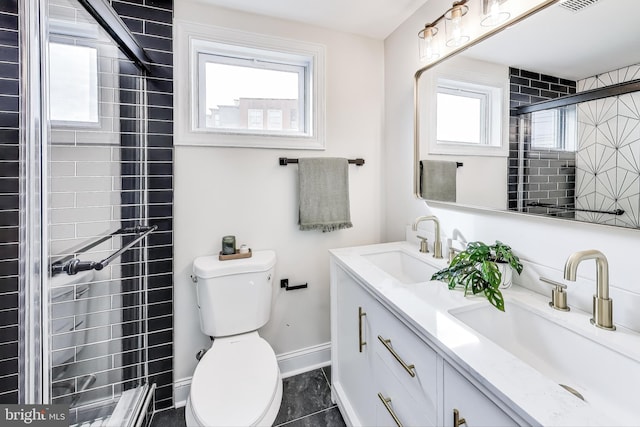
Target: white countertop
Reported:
[(530, 394)]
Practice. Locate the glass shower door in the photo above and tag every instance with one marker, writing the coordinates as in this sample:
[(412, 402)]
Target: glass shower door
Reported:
[(96, 206)]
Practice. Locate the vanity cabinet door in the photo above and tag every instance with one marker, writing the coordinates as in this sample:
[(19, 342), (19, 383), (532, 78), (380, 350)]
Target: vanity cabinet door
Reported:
[(352, 350), (396, 401), (410, 361), (472, 405)]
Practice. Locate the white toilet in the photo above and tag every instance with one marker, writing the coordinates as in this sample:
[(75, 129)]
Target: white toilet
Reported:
[(237, 382)]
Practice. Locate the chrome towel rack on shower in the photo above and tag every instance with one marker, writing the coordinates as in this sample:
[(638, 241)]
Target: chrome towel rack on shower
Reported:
[(72, 265)]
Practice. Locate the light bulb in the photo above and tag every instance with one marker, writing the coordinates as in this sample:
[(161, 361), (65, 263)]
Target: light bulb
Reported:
[(456, 19), (495, 14), (428, 43), (455, 28)]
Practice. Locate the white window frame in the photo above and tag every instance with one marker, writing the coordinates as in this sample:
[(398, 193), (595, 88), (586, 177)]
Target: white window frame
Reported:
[(193, 40), (487, 80)]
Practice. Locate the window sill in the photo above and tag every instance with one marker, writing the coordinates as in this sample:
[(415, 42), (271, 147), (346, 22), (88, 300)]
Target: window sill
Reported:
[(221, 139), (468, 150)]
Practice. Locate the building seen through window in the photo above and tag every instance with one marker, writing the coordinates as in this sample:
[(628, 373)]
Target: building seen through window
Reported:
[(255, 113)]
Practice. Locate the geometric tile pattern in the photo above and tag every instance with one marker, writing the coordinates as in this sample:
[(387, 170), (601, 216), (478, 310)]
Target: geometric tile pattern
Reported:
[(608, 155)]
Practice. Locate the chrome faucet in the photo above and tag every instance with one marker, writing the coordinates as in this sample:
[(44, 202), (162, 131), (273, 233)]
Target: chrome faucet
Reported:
[(602, 304), (437, 244)]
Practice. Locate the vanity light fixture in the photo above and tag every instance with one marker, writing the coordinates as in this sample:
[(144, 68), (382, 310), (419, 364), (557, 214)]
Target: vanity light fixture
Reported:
[(454, 25), (493, 13), (429, 44)]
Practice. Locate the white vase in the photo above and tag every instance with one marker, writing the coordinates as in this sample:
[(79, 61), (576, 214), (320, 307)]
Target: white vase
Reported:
[(507, 275)]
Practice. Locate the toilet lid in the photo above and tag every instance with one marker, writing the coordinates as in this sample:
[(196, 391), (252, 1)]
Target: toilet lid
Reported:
[(235, 382)]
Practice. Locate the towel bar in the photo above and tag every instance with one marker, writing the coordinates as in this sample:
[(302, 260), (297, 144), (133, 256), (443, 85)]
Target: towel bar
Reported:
[(284, 161)]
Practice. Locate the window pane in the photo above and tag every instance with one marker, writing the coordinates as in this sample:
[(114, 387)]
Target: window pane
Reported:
[(554, 129), (458, 118), (240, 97), (544, 129), (274, 119), (254, 119), (73, 85)]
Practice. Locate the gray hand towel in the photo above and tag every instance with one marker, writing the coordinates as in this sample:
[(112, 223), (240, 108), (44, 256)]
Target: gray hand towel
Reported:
[(324, 194), (438, 180)]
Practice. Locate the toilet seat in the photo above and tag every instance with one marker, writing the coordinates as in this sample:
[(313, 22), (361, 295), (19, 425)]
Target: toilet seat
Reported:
[(236, 383)]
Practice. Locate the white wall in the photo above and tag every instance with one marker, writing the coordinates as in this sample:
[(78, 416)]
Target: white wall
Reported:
[(243, 191), (542, 240)]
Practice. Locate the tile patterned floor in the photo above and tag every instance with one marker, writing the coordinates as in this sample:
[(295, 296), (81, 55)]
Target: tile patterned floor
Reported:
[(306, 402)]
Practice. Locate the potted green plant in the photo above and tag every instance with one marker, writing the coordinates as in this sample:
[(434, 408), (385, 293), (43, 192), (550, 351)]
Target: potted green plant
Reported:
[(477, 270)]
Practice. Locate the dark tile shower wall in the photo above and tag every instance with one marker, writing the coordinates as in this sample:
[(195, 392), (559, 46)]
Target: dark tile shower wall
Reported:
[(150, 21), (548, 175), (9, 199)]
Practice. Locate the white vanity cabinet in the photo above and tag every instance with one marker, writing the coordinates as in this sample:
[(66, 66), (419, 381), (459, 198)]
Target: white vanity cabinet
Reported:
[(383, 369), (384, 374), (351, 306), (470, 403)]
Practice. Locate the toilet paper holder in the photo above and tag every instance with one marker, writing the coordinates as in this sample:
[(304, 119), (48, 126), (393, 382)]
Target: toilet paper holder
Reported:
[(284, 283)]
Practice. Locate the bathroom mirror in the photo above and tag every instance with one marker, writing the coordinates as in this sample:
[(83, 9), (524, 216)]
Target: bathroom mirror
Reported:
[(580, 161)]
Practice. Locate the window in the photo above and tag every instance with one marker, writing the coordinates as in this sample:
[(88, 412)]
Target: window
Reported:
[(274, 119), (248, 90), (456, 106), (554, 129), (254, 119), (231, 86), (465, 114), (73, 93)]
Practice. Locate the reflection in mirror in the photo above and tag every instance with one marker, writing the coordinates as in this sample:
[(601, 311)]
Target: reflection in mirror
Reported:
[(579, 160)]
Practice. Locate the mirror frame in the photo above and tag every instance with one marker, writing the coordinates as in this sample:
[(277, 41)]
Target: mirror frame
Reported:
[(416, 100)]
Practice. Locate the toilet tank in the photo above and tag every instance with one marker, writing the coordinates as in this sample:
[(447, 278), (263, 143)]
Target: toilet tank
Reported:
[(234, 296)]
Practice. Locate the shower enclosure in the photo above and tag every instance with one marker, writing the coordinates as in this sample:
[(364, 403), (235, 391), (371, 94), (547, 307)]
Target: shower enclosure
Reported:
[(86, 215)]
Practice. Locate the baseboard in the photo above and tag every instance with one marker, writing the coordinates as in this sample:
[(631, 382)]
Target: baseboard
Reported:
[(304, 360), (181, 392), (291, 363)]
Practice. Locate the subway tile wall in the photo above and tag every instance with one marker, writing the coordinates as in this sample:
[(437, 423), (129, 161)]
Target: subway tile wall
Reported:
[(9, 199), (548, 175), (151, 23)]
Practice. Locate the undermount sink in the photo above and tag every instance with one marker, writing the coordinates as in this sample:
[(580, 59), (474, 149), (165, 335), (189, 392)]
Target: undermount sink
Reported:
[(402, 266), (602, 376)]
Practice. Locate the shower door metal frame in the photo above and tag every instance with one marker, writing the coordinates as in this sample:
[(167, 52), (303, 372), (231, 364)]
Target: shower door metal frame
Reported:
[(34, 315)]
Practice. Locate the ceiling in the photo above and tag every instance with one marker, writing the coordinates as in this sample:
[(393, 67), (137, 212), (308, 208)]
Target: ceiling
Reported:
[(371, 18), (572, 45)]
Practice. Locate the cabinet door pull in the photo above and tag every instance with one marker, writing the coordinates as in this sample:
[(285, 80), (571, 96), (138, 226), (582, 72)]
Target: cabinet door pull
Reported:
[(457, 421), (386, 401), (409, 368), (361, 343)]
